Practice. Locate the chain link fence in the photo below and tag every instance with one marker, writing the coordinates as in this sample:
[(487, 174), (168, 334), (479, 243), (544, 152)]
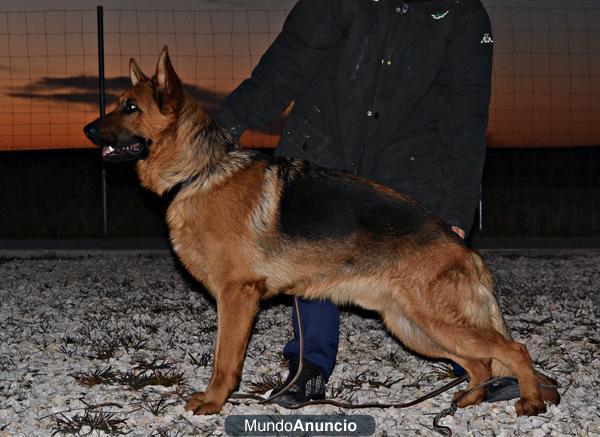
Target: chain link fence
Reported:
[(545, 107)]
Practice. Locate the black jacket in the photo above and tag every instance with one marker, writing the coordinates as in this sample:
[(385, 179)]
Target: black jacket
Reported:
[(392, 90)]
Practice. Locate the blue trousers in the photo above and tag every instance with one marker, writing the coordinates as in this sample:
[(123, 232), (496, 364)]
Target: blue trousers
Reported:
[(321, 331)]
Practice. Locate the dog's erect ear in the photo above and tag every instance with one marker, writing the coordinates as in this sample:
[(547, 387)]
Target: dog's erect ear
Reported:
[(166, 78), (135, 72)]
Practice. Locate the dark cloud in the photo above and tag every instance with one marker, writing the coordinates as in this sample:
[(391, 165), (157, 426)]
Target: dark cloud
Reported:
[(59, 97), (84, 90)]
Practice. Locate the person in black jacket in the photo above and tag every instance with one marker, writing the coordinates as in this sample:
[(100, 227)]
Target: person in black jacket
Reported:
[(393, 90)]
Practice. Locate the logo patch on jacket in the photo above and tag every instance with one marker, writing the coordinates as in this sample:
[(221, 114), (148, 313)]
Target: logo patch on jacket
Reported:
[(487, 39), (439, 15)]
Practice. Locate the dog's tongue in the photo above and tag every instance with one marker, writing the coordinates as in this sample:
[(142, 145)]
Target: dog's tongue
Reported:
[(107, 150)]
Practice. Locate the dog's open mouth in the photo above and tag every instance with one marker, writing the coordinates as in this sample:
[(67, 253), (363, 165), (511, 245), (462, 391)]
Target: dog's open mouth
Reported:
[(121, 152)]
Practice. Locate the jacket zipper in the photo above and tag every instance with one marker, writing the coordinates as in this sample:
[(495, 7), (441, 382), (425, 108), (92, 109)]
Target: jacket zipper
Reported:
[(389, 48)]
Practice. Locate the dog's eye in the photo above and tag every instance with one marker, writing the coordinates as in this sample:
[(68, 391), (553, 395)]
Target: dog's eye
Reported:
[(130, 107)]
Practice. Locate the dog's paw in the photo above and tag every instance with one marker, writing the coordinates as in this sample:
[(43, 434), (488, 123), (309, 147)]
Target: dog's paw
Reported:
[(529, 407), (198, 404)]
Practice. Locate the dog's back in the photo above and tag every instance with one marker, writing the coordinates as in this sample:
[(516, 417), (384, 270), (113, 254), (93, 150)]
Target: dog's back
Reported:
[(349, 225)]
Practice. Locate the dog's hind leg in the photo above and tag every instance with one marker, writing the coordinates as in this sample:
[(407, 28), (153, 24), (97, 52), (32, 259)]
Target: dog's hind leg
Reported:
[(237, 306), (427, 332), (416, 339), (479, 371), (473, 343)]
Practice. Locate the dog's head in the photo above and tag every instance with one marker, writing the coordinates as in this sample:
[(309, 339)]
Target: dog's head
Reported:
[(143, 116)]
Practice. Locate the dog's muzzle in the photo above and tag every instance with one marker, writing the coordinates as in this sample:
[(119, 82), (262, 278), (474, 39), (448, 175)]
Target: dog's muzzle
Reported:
[(130, 148)]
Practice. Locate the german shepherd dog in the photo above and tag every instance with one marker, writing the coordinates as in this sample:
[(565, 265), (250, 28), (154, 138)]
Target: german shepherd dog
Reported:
[(250, 227)]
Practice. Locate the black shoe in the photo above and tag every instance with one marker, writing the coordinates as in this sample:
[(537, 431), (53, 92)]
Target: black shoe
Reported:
[(504, 389), (310, 385)]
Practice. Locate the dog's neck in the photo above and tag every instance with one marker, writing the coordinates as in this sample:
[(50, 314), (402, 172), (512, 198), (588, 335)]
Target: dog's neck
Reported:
[(202, 152)]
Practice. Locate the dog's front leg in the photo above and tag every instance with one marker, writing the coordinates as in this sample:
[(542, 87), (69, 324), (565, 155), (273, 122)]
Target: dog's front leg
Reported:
[(237, 306)]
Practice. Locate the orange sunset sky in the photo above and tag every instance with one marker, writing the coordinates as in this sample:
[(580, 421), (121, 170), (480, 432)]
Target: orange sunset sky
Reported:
[(546, 89)]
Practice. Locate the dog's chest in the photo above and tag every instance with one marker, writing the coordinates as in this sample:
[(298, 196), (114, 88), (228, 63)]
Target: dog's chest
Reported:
[(187, 244), (210, 236)]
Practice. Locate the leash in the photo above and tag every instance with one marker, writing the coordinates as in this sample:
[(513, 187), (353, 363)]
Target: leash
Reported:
[(440, 429), (300, 357), (444, 430)]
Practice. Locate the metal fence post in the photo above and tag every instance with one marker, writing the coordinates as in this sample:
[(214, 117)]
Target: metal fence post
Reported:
[(101, 101)]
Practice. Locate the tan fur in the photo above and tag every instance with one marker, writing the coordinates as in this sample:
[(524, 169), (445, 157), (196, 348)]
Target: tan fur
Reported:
[(434, 294)]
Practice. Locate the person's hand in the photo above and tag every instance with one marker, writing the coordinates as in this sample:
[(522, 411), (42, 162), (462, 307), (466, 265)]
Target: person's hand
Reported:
[(458, 231)]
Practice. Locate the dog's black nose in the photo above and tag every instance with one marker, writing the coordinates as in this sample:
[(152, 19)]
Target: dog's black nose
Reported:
[(90, 131)]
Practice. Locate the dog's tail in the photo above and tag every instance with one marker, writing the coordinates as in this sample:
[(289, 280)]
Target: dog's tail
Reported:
[(548, 386)]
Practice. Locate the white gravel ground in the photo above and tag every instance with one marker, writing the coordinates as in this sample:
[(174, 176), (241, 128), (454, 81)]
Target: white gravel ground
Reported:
[(85, 339)]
